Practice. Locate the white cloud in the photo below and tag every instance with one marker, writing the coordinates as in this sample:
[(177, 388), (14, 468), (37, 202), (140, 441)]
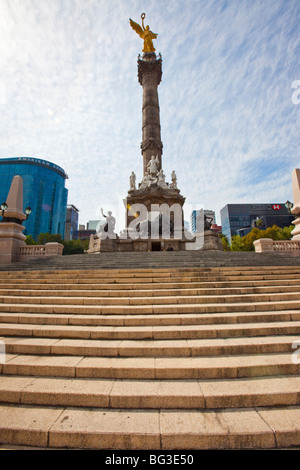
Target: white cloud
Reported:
[(69, 76)]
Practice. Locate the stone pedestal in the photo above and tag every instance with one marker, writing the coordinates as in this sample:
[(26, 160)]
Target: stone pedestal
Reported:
[(212, 241), (11, 228), (11, 239), (98, 245), (205, 241), (263, 245), (153, 197)]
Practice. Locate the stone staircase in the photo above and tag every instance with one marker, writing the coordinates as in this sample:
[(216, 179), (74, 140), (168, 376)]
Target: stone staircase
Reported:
[(154, 260), (147, 358)]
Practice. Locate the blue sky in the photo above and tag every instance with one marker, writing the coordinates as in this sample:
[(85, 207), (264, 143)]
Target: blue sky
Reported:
[(69, 94)]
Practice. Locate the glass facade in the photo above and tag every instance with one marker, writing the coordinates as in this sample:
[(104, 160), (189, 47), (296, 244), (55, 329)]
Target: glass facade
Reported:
[(71, 229), (235, 217), (43, 190)]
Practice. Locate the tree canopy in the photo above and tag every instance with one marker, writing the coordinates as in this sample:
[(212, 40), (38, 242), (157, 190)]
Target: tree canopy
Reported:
[(245, 243), (71, 247)]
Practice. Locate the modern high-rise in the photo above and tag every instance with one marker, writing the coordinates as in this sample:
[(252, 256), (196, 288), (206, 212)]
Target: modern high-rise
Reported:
[(71, 228), (44, 191), (239, 219)]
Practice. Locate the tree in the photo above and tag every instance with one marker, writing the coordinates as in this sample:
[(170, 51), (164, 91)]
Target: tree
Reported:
[(275, 233), (259, 222), (237, 243), (225, 242), (287, 232), (248, 239), (73, 247), (44, 238), (30, 240)]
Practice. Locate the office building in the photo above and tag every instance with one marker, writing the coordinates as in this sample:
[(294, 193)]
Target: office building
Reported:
[(44, 191), (71, 228), (239, 219), (94, 224)]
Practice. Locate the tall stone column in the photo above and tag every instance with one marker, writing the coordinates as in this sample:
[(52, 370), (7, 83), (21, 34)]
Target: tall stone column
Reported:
[(149, 75)]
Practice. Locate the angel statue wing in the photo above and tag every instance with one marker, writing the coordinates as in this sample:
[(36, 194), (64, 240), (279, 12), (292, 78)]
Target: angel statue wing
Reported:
[(137, 28)]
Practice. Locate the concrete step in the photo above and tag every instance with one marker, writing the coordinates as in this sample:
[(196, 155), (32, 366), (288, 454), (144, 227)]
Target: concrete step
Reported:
[(151, 394), (205, 367), (159, 293), (152, 260), (150, 429), (140, 309), (151, 300), (150, 348), (159, 271), (152, 332), (106, 275), (23, 286), (149, 320)]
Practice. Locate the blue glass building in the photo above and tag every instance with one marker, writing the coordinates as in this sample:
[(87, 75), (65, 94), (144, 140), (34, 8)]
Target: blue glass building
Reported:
[(71, 228), (44, 191), (239, 219)]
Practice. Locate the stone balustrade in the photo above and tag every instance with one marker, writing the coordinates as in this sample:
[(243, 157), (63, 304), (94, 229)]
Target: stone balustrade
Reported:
[(277, 246), (286, 245), (33, 251)]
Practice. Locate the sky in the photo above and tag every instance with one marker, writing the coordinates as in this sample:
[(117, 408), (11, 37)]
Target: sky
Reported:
[(230, 117)]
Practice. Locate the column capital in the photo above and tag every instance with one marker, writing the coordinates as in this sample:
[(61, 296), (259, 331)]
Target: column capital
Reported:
[(149, 64)]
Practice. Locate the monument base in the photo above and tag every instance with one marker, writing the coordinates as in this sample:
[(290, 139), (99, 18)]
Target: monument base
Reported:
[(98, 245), (206, 241), (11, 239), (212, 241)]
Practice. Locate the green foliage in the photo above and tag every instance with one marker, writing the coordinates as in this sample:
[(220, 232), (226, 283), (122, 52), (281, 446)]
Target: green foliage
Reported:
[(246, 243), (237, 243), (259, 222), (44, 238), (225, 242), (71, 247), (248, 239), (30, 240)]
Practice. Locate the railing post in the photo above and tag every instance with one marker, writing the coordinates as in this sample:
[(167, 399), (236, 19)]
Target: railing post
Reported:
[(263, 245)]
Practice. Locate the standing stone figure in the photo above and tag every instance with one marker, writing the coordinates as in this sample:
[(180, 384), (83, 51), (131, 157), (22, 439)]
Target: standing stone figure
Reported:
[(162, 179), (174, 180), (153, 166), (144, 33), (109, 226), (132, 181)]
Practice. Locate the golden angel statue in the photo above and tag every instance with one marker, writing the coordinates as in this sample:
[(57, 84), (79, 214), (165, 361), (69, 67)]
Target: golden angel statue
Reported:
[(144, 33)]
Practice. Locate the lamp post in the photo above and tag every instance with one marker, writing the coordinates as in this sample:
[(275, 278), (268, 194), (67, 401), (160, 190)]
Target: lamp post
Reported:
[(27, 212), (3, 207), (289, 206)]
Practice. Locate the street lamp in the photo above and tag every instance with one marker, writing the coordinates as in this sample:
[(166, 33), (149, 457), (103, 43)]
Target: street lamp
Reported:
[(3, 207), (289, 206), (27, 212)]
